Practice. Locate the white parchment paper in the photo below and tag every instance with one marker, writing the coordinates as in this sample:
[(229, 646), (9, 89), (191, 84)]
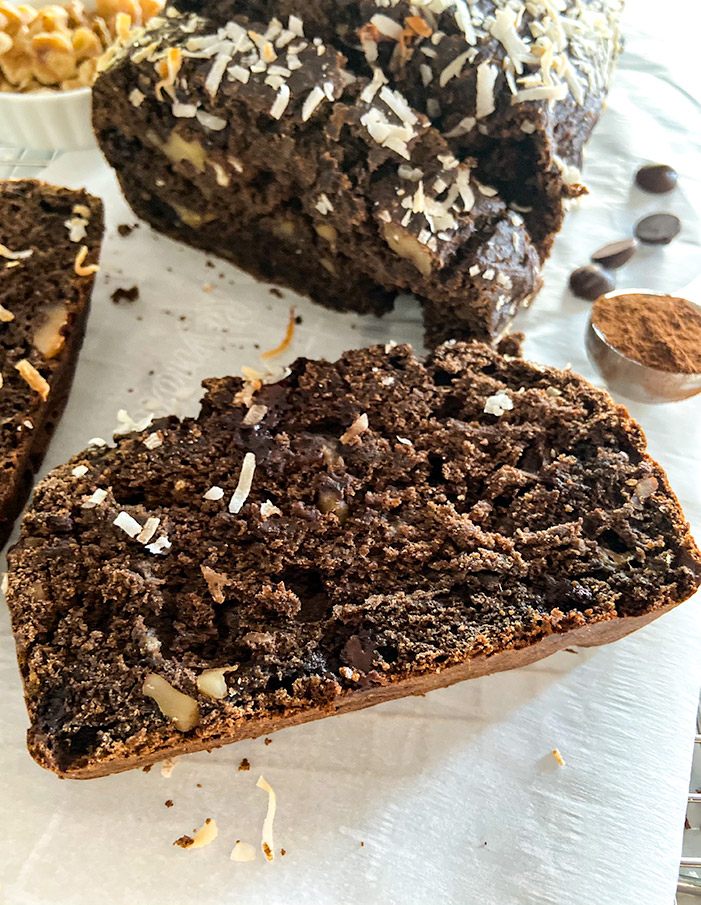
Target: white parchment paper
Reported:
[(454, 797)]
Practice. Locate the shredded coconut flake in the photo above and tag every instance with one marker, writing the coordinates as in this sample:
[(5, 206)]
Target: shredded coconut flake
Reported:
[(183, 111), (498, 404), (267, 509), (486, 78), (214, 493), (128, 425), (128, 524), (80, 471), (30, 374), (243, 851), (15, 255), (159, 546), (255, 415), (371, 89), (358, 427), (136, 97), (466, 124), (558, 757), (206, 834), (149, 529), (541, 93), (243, 488), (5, 315), (266, 842), (96, 499), (4, 585), (287, 339), (453, 69), (153, 441), (76, 227), (296, 26), (282, 99), (312, 101), (387, 26), (323, 205), (209, 121), (81, 269)]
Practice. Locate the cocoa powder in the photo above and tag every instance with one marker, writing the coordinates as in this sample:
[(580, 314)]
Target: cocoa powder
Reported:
[(659, 331)]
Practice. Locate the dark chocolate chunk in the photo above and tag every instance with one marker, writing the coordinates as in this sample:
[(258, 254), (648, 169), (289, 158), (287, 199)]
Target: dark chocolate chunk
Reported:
[(591, 281), (657, 178), (658, 229), (615, 254)]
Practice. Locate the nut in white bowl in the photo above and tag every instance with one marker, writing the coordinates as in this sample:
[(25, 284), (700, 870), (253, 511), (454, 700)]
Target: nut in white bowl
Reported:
[(51, 55)]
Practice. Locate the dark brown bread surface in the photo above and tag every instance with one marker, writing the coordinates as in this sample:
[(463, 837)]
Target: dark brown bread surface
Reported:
[(48, 306), (349, 178), (491, 512)]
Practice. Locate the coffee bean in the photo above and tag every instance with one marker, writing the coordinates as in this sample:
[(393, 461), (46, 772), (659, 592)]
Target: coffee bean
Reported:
[(657, 178), (615, 254), (658, 229), (591, 281)]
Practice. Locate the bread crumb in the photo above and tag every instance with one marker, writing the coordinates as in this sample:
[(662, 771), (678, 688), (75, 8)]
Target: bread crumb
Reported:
[(125, 295), (244, 765), (184, 841), (167, 767), (169, 803), (268, 741)]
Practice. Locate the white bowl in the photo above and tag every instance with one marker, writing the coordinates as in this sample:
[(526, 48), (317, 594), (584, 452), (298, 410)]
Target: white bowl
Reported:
[(47, 121)]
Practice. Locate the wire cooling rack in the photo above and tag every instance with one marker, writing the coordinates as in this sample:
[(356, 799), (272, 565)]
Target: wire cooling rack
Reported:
[(22, 162), (689, 886)]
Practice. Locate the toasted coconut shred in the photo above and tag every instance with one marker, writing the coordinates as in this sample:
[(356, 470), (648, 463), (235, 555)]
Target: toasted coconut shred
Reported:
[(84, 270), (205, 835), (266, 841), (289, 333), (168, 70), (558, 757), (5, 252), (29, 373), (243, 488)]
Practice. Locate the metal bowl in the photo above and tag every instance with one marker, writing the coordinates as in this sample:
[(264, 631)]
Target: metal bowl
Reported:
[(631, 379)]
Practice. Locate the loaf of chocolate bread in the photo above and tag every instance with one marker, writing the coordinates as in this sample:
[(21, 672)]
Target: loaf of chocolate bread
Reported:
[(355, 150), (354, 532), (49, 245)]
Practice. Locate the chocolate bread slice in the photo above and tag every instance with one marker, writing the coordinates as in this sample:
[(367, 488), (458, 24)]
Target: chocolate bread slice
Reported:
[(49, 244), (355, 150), (357, 531)]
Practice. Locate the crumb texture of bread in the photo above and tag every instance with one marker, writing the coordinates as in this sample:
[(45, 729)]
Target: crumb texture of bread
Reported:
[(44, 305), (483, 512), (352, 151)]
